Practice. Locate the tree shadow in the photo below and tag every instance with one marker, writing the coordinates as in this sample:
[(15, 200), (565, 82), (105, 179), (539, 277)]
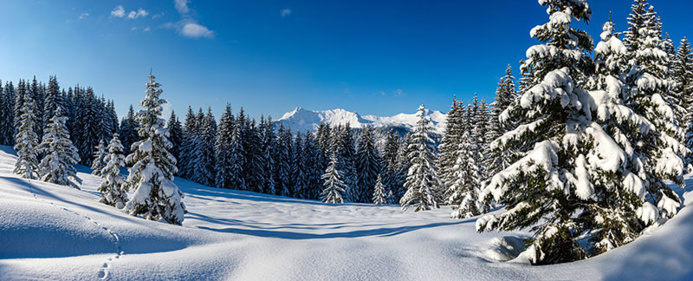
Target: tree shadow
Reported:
[(381, 232)]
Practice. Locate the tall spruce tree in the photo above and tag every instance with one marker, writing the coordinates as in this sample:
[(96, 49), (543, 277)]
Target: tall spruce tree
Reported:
[(424, 188), (379, 192), (156, 197), (546, 189), (334, 186), (175, 130), (649, 95), (268, 139), (99, 161), (449, 148), (26, 140), (368, 165), (113, 188), (683, 74), (58, 166), (128, 130)]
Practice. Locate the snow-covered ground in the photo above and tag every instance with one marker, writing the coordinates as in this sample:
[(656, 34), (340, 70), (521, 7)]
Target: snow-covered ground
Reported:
[(50, 232)]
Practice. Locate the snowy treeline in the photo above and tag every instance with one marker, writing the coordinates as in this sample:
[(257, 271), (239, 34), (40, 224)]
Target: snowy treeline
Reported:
[(240, 153), (90, 119)]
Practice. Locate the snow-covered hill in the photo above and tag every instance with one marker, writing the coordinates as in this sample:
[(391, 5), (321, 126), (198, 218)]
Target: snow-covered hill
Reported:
[(303, 120), (50, 232)]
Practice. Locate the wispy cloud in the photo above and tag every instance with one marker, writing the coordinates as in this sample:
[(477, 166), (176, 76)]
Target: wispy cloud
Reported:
[(146, 29), (400, 93), (194, 30), (285, 12), (140, 13), (188, 26), (182, 6), (83, 15), (118, 12)]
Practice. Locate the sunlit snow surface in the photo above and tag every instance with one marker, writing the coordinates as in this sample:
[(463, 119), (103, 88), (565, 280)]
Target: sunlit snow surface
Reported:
[(50, 232)]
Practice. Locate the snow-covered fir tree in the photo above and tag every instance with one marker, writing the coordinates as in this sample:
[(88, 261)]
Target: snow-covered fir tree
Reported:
[(58, 166), (299, 171), (368, 165), (424, 188), (283, 161), (7, 128), (175, 130), (187, 151), (449, 148), (682, 72), (113, 187), (156, 197), (128, 130), (463, 195), (268, 139), (546, 188), (342, 143), (379, 197), (505, 95), (99, 161), (203, 169), (393, 175), (26, 141), (332, 182), (313, 167), (649, 95), (227, 149)]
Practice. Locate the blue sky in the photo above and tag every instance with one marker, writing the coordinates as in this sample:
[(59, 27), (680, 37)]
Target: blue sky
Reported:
[(374, 57)]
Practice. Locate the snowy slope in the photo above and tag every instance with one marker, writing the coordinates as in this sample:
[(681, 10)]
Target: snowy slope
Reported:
[(304, 120), (50, 232)]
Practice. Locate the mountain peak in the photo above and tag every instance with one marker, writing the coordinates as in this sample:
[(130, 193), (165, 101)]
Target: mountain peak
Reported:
[(303, 120)]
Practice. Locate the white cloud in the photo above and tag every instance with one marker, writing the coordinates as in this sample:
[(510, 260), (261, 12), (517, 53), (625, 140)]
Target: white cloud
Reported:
[(194, 30), (400, 93), (182, 6), (286, 12), (140, 13), (118, 12), (83, 15), (146, 29)]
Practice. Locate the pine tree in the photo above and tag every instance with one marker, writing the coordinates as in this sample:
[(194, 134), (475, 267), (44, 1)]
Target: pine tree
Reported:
[(187, 151), (175, 130), (505, 95), (379, 192), (283, 162), (449, 148), (540, 190), (268, 154), (368, 165), (99, 162), (156, 197), (394, 175), (334, 186), (8, 128), (313, 167), (299, 172), (203, 164), (683, 74), (26, 140), (58, 166), (228, 149), (463, 194), (649, 96), (113, 187), (424, 188), (128, 130)]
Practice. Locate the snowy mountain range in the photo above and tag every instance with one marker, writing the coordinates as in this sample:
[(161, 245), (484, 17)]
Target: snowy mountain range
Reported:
[(303, 120)]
